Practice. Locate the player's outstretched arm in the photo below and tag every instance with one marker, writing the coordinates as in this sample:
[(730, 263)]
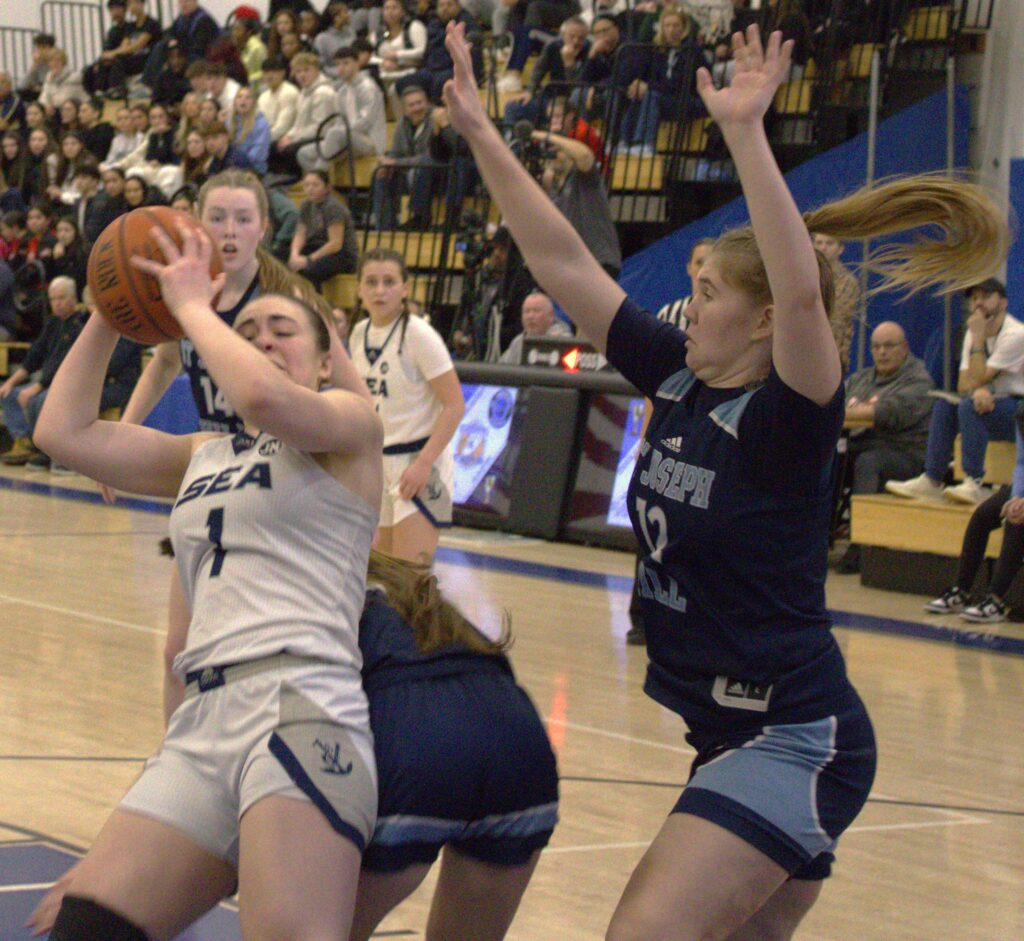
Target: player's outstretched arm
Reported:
[(553, 251), (338, 421), (127, 457), (803, 349)]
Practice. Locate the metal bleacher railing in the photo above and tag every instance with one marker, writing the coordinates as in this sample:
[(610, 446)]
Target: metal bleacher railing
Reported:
[(78, 28), (16, 50)]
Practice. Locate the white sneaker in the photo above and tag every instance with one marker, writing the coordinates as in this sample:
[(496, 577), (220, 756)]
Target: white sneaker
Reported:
[(917, 488), (990, 611), (970, 491), (510, 81)]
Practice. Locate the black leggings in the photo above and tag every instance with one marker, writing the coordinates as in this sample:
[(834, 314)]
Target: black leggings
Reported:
[(984, 520)]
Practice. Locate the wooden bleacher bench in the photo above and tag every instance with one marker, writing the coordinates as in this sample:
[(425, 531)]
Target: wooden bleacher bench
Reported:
[(343, 291), (1000, 457), (913, 525), (6, 347)]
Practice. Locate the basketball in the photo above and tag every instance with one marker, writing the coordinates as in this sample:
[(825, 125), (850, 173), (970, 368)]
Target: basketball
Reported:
[(128, 298)]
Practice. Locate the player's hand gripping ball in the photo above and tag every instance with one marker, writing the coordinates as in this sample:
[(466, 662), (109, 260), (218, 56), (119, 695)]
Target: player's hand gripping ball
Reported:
[(128, 298)]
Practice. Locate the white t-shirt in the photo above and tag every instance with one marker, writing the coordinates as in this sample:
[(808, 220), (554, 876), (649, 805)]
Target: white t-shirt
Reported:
[(1005, 352), (397, 371)]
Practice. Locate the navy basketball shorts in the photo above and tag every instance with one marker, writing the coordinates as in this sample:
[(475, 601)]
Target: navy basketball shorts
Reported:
[(463, 760), (787, 790)]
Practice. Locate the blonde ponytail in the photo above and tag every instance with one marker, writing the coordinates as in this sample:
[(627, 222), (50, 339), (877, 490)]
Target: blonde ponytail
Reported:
[(973, 243)]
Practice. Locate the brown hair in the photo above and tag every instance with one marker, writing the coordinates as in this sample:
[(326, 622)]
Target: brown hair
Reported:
[(379, 253), (413, 592), (972, 241)]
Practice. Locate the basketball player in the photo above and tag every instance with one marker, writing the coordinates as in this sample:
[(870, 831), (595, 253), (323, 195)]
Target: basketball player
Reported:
[(463, 761), (730, 500), (409, 372), (266, 775)]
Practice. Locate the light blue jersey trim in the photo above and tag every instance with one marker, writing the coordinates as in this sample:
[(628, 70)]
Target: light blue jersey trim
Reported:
[(727, 415), (676, 386), (400, 829)]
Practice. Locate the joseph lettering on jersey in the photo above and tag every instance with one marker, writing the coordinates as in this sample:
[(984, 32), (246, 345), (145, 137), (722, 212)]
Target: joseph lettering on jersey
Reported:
[(677, 479), (228, 479)]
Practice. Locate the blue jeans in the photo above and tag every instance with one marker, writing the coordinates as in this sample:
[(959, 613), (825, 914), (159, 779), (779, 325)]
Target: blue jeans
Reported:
[(975, 432), (21, 421)]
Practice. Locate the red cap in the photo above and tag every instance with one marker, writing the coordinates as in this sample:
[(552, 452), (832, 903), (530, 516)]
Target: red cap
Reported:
[(246, 13)]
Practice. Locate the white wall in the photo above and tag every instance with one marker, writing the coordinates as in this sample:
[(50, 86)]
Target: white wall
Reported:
[(25, 13)]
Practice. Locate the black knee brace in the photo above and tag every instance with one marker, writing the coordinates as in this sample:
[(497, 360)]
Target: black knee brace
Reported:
[(84, 920)]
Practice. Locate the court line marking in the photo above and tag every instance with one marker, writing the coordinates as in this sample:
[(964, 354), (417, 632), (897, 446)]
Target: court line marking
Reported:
[(974, 639), (127, 625), (621, 736)]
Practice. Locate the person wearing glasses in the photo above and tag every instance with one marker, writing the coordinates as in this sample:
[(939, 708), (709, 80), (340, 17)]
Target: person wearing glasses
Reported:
[(891, 399)]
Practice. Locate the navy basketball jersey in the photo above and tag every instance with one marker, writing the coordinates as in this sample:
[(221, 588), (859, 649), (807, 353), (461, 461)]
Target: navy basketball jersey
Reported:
[(215, 411), (730, 501), (391, 654)]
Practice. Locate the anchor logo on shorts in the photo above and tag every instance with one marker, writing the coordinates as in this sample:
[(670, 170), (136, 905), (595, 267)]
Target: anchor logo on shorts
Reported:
[(330, 756)]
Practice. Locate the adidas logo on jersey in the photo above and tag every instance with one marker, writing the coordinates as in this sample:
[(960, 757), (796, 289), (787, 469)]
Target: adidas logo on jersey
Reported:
[(673, 444)]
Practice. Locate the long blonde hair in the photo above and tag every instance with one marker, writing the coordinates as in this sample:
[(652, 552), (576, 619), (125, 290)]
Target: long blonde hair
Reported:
[(972, 241), (413, 592)]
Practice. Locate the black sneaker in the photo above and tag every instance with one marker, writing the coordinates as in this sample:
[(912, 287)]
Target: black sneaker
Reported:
[(951, 601), (990, 611), (39, 462), (636, 636)]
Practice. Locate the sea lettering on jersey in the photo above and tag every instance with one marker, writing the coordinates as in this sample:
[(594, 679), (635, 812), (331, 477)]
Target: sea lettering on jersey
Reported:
[(676, 479), (377, 387), (228, 479)]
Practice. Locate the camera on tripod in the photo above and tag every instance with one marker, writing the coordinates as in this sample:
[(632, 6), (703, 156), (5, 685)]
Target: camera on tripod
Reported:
[(471, 239)]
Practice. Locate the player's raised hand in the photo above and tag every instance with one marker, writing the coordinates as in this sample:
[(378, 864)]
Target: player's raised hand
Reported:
[(461, 97), (759, 72), (185, 274)]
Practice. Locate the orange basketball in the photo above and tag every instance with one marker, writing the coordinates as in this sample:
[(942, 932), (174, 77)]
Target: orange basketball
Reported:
[(130, 299)]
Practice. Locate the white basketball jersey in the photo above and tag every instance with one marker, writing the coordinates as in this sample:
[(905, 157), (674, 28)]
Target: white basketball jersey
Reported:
[(272, 553), (397, 371)]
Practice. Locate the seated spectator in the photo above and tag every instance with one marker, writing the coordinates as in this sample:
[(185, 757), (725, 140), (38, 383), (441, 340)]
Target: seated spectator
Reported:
[(22, 396), (195, 161), (161, 161), (573, 180), (35, 117), (447, 170), (324, 244), (278, 100), (70, 253), (67, 117), (992, 384), (32, 84), (526, 19), (1005, 508), (125, 142), (893, 395), (367, 15), (408, 150), (309, 26), (316, 103), (138, 193), (97, 134), (436, 67), (591, 9), (12, 108), (114, 180), (209, 113), (188, 120), (398, 47), (362, 123), (788, 17), (193, 28), (107, 72), (599, 67), (538, 321), (291, 45), (847, 296), (40, 166), (245, 34), (338, 35), (561, 60), (284, 217), (72, 157), (38, 242), (8, 304), (13, 166), (667, 90), (171, 84), (223, 88), (224, 155), (224, 53), (144, 32), (13, 232), (250, 132), (187, 200), (283, 23), (61, 83)]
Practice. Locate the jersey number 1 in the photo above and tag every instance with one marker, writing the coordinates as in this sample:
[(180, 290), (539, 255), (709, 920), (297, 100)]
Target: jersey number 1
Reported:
[(215, 527)]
